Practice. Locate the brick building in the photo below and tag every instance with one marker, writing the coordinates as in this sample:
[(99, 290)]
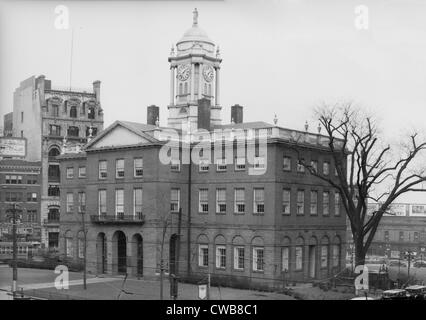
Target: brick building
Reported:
[(402, 229), (49, 118), (20, 183), (252, 218)]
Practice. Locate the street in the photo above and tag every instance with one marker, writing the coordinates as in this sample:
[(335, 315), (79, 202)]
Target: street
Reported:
[(112, 288)]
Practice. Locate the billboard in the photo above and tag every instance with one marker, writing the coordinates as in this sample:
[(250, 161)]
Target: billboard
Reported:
[(418, 210), (13, 147), (397, 209)]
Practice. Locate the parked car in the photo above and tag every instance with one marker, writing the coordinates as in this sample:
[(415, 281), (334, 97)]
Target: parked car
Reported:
[(419, 264), (395, 294), (396, 263), (416, 292)]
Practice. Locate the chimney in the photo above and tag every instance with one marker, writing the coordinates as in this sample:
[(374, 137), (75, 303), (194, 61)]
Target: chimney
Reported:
[(237, 114), (41, 85), (152, 113), (204, 114), (97, 90)]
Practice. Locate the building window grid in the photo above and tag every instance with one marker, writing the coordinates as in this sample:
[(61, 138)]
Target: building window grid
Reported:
[(203, 256), (203, 200), (337, 204), (70, 202), (138, 167), (286, 201), (239, 200), (221, 165), (285, 259), (221, 200), (220, 257), (70, 173), (300, 202), (326, 168), (174, 200), (240, 164), (119, 203), (258, 259), (81, 202), (137, 203), (324, 256), (259, 200), (314, 202), (119, 168), (326, 203), (239, 258), (102, 202), (299, 258), (286, 163), (103, 169), (82, 172), (300, 166)]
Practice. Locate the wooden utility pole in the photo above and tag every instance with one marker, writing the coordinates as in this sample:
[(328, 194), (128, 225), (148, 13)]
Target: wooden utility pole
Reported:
[(15, 250), (174, 277), (84, 252), (161, 259)]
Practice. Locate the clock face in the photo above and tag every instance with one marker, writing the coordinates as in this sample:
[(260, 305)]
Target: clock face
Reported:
[(208, 73), (183, 72)]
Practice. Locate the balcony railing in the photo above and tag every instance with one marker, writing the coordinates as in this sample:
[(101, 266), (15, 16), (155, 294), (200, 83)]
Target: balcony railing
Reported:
[(118, 219)]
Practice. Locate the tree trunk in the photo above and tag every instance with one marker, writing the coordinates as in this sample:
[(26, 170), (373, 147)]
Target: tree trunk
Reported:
[(360, 252)]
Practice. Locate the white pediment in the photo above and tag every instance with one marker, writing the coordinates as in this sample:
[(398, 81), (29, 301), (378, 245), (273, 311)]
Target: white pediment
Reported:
[(119, 136)]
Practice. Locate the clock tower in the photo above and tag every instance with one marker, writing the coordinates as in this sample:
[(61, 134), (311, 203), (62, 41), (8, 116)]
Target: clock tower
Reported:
[(194, 75)]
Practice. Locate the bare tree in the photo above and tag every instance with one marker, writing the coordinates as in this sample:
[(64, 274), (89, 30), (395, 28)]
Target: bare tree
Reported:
[(366, 170)]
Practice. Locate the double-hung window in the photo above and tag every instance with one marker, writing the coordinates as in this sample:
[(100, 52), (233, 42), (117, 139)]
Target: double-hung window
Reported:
[(203, 200), (259, 200), (240, 204), (221, 200)]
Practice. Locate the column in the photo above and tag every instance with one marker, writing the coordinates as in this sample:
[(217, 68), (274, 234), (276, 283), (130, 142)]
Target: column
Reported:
[(200, 81), (217, 87), (192, 82), (172, 86)]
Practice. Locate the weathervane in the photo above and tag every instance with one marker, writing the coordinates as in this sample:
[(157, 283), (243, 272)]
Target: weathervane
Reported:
[(195, 18)]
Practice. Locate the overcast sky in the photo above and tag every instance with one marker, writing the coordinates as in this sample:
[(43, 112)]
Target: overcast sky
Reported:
[(279, 56)]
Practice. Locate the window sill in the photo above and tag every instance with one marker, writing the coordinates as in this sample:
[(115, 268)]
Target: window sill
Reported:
[(221, 213), (286, 214), (259, 271), (239, 213), (204, 213), (238, 270)]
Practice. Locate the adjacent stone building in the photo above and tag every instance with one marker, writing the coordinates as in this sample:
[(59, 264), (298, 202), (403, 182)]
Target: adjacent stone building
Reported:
[(51, 118), (153, 197), (20, 183)]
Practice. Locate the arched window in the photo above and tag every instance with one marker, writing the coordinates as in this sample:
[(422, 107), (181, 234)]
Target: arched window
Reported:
[(68, 244), (205, 89), (91, 113), (186, 87), (210, 89), (336, 252), (285, 254), (53, 152), (324, 252), (180, 88), (73, 112)]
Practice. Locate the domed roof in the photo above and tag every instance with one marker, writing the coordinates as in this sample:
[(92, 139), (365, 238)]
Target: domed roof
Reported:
[(195, 33)]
